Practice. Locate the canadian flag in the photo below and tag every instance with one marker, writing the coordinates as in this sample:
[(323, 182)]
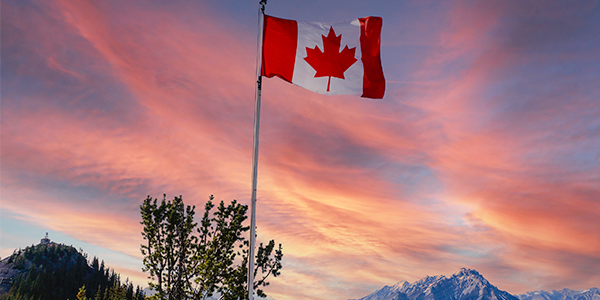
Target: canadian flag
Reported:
[(327, 58)]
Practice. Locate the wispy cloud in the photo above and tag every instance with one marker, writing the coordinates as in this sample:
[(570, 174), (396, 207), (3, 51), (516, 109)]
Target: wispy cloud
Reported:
[(484, 155)]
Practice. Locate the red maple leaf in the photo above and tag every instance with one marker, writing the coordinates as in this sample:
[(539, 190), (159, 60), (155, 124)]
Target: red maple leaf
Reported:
[(330, 62)]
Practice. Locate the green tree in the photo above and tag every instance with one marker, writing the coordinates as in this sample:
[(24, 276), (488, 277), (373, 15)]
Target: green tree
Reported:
[(168, 230), (189, 260), (81, 293), (61, 272)]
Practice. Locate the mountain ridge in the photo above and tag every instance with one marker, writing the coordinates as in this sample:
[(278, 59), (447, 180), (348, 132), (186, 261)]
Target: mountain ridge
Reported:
[(49, 271), (564, 294), (468, 284)]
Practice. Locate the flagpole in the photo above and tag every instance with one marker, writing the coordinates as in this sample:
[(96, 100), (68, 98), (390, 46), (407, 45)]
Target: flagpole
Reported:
[(261, 14)]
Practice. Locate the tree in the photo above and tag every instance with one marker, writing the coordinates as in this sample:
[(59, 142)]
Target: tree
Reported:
[(167, 229), (190, 260), (57, 271), (81, 293)]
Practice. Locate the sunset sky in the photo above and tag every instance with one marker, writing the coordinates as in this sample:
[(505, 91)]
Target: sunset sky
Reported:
[(484, 152)]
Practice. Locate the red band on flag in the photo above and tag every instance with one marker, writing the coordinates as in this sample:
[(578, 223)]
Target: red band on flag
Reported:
[(279, 47), (370, 37)]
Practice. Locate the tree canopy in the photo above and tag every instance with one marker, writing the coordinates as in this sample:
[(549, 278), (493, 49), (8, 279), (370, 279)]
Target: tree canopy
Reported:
[(189, 260), (57, 271)]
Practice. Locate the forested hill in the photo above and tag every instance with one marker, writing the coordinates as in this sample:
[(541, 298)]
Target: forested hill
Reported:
[(55, 271)]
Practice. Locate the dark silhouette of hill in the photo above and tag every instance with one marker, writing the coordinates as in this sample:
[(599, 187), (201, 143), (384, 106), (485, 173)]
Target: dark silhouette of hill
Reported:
[(56, 271)]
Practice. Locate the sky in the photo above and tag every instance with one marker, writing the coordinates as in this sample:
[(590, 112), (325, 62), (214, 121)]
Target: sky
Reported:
[(484, 152)]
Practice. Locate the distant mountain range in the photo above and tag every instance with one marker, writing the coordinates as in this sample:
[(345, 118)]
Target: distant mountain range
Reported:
[(467, 284), (564, 294)]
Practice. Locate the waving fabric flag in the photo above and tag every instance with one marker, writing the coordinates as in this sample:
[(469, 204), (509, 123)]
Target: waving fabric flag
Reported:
[(327, 58)]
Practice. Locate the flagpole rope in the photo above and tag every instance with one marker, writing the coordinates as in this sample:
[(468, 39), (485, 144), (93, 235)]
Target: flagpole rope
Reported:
[(261, 14)]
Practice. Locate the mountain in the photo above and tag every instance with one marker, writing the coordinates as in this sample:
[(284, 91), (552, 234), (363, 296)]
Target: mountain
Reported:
[(564, 294), (56, 271), (465, 284)]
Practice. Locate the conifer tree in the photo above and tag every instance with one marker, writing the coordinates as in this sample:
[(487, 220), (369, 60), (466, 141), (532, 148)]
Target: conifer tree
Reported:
[(185, 260), (61, 272), (81, 293)]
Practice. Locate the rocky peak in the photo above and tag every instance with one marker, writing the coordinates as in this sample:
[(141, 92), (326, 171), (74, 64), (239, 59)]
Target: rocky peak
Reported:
[(465, 284), (464, 272)]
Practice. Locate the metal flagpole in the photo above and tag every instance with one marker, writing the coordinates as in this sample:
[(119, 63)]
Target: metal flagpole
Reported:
[(261, 15)]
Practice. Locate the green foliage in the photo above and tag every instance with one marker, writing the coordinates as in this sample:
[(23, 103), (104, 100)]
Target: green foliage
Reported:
[(56, 271), (189, 260), (168, 231), (81, 293), (118, 291)]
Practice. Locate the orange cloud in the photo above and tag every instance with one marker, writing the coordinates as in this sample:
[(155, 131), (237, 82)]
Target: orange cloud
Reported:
[(474, 163)]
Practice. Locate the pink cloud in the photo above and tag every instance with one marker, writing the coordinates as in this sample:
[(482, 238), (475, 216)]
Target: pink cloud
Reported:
[(440, 175)]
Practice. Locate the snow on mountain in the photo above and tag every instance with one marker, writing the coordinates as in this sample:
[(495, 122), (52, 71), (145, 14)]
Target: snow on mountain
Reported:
[(564, 294), (465, 284)]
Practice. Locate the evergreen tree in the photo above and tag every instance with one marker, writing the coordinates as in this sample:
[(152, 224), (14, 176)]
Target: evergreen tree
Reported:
[(81, 293), (57, 271), (190, 261)]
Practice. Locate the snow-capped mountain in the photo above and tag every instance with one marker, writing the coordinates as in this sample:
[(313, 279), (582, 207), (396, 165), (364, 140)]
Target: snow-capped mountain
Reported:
[(564, 294), (465, 284)]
